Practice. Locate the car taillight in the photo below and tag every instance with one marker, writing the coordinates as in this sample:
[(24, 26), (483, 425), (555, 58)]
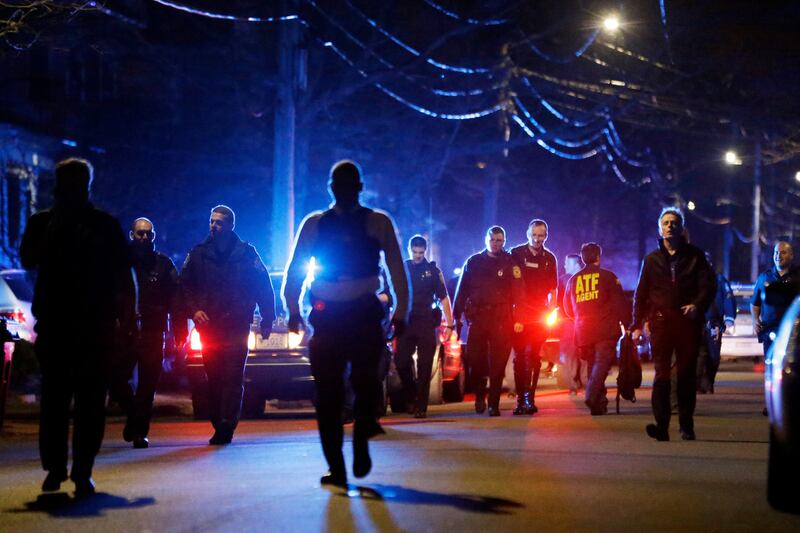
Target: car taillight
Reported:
[(251, 341), (295, 339), (552, 318), (13, 314), (194, 341)]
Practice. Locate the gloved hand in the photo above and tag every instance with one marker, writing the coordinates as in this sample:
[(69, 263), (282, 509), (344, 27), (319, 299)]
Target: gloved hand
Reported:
[(399, 326), (295, 323)]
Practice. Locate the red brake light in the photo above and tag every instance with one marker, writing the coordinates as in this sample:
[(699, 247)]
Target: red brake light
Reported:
[(194, 341)]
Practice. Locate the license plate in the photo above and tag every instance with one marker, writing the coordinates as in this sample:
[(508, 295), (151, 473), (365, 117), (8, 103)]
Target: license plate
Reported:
[(275, 341)]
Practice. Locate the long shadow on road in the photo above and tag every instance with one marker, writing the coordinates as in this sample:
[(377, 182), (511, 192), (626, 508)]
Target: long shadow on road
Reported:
[(64, 506), (464, 502)]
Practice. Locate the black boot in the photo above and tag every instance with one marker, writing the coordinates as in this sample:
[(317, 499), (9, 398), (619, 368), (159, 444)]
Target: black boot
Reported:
[(523, 404)]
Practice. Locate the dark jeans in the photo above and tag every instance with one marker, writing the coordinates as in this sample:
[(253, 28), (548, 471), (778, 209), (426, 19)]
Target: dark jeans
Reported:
[(345, 332), (420, 336), (147, 354), (599, 357), (527, 359), (680, 336), (224, 357), (73, 367), (487, 350)]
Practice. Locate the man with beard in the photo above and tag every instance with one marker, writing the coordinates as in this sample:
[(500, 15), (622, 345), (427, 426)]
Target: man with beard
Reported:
[(157, 279), (223, 279), (84, 294)]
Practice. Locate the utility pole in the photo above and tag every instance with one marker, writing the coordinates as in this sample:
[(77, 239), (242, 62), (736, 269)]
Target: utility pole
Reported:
[(755, 250), (283, 167)]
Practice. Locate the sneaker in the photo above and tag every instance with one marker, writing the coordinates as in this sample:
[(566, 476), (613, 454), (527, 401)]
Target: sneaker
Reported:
[(653, 431)]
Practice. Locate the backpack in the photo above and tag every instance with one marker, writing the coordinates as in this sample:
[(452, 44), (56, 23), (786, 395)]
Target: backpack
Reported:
[(629, 377)]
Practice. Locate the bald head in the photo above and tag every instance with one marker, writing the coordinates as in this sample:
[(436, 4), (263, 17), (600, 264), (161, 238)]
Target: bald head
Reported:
[(783, 255)]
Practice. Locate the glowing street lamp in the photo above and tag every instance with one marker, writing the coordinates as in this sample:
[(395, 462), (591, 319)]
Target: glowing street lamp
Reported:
[(611, 23), (691, 206), (797, 176), (731, 158)]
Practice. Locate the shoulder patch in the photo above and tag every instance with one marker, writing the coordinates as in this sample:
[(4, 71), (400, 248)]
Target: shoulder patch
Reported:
[(517, 272)]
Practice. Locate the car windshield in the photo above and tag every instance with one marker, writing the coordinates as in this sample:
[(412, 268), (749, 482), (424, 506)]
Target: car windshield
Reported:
[(20, 286)]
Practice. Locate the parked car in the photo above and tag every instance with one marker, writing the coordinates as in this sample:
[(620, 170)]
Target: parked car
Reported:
[(276, 368), (740, 340), (16, 295), (782, 391), (448, 378)]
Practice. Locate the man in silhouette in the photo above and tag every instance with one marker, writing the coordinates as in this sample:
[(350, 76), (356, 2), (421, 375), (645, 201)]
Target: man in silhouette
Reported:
[(84, 293), (346, 243)]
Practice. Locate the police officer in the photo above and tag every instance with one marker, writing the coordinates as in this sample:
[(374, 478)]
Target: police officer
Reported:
[(157, 279), (720, 316), (774, 291), (222, 280), (593, 297), (346, 242), (675, 288), (576, 373), (427, 285), (540, 272), (84, 295), (490, 287)]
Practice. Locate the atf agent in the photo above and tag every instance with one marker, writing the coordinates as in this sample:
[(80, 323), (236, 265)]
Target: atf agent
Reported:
[(346, 242), (158, 290), (540, 273), (490, 287), (593, 297), (427, 285)]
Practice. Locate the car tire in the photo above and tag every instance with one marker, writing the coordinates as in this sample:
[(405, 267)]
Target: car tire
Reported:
[(435, 394), (453, 391), (783, 471), (199, 404), (253, 404)]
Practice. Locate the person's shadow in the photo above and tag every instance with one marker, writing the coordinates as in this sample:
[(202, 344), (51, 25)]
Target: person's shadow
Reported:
[(62, 505), (464, 502)]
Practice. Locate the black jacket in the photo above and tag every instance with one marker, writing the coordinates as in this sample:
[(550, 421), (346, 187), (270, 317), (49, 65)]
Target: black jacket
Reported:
[(157, 278), (227, 286), (84, 278), (667, 283), (489, 288), (593, 297)]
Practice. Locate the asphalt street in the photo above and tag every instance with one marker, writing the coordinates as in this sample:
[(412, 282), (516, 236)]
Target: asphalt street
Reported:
[(560, 470)]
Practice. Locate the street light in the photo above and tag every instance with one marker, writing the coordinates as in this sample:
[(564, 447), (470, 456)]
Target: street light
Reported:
[(611, 23), (797, 176), (731, 158), (691, 206)]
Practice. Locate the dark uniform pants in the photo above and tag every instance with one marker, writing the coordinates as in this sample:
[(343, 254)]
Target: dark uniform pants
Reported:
[(345, 332), (708, 360), (680, 336), (420, 336), (599, 357), (527, 359), (147, 354), (73, 368), (224, 360), (488, 348)]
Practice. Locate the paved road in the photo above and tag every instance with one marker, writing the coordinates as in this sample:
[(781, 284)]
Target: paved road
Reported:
[(558, 471)]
